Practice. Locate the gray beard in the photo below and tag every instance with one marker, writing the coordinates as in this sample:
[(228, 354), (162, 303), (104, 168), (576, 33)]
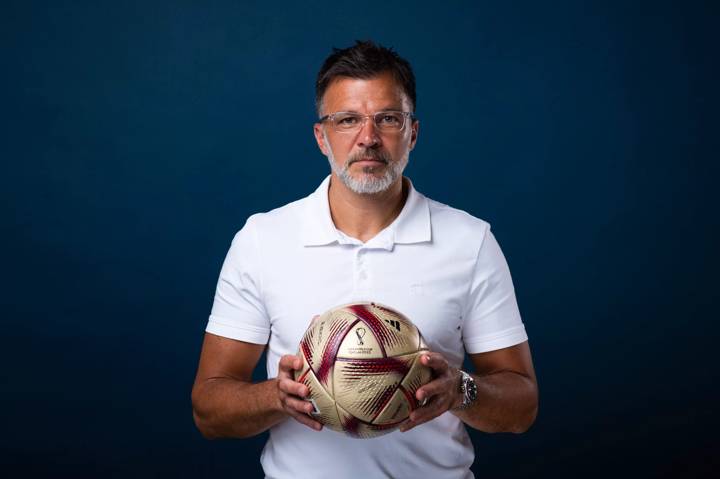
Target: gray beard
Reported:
[(368, 184)]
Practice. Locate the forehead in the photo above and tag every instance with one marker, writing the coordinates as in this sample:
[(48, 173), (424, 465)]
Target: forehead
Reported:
[(365, 95)]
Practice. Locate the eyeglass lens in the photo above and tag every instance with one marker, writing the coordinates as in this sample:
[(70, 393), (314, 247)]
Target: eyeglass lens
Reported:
[(384, 120)]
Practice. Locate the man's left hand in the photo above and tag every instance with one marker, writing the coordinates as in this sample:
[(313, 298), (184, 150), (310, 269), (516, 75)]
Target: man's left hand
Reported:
[(439, 395)]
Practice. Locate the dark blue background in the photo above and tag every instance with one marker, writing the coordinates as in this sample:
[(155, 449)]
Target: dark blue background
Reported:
[(138, 136)]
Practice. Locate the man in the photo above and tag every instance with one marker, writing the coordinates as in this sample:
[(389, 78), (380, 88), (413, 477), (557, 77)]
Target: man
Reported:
[(365, 235)]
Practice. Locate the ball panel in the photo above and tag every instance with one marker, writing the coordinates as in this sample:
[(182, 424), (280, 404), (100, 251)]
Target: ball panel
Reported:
[(327, 413), (316, 337), (396, 410), (396, 334), (423, 345), (355, 427), (408, 336), (305, 366), (416, 377), (339, 325), (360, 343), (364, 386), (311, 345)]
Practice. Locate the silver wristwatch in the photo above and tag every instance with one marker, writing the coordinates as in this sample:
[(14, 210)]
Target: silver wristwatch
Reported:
[(468, 389)]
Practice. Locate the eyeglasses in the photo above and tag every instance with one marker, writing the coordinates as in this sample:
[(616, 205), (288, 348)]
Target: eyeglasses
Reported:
[(389, 121)]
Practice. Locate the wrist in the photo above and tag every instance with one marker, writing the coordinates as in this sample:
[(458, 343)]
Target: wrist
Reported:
[(458, 397), (467, 390)]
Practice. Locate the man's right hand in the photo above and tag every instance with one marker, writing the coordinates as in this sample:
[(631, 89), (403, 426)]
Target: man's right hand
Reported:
[(291, 392)]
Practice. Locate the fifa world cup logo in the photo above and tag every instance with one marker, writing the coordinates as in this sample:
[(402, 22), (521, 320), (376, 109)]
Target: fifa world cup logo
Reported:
[(360, 332)]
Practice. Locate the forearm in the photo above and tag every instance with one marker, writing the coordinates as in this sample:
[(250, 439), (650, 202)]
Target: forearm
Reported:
[(228, 408), (506, 402)]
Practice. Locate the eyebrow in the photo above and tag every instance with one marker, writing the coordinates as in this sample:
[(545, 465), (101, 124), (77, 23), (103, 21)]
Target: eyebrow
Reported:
[(392, 108)]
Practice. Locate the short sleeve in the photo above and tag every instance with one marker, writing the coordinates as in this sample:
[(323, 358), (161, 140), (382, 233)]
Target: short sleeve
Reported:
[(491, 319), (238, 311)]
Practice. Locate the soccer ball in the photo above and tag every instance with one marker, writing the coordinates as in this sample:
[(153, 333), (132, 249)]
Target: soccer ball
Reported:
[(361, 363)]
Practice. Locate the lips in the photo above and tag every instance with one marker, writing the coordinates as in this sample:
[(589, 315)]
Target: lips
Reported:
[(369, 160), (370, 165)]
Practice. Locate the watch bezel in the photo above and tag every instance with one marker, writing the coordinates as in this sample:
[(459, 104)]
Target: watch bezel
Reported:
[(468, 388)]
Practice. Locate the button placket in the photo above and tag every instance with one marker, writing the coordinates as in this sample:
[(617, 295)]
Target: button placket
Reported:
[(361, 273)]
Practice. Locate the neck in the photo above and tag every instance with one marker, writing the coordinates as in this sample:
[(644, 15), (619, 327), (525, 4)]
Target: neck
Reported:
[(363, 216)]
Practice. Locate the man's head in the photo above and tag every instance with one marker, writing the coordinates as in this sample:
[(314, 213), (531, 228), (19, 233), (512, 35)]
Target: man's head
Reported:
[(364, 60), (365, 97)]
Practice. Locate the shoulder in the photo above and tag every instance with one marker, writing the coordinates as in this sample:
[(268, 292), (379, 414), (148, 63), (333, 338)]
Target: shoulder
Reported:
[(280, 220), (447, 220)]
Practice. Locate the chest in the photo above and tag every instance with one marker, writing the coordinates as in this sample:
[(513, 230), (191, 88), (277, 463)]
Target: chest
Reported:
[(426, 285)]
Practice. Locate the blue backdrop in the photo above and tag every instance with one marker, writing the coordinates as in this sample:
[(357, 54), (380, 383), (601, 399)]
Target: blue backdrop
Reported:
[(137, 137)]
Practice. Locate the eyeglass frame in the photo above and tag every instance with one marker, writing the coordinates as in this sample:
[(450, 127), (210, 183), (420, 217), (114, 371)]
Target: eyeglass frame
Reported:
[(365, 118)]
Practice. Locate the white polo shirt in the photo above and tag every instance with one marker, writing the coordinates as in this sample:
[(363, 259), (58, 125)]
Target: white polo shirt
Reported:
[(439, 266)]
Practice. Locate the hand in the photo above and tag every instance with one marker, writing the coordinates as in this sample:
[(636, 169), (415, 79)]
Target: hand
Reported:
[(439, 395), (291, 392)]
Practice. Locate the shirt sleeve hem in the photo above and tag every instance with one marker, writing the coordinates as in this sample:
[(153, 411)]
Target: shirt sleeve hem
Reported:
[(502, 339), (247, 333)]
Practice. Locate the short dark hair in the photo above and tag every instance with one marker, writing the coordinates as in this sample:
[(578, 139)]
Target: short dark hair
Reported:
[(364, 60)]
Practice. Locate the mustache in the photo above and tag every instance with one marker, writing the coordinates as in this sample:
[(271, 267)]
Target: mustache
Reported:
[(372, 154)]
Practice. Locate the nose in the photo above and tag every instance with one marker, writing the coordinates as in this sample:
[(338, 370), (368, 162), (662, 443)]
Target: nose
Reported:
[(368, 136)]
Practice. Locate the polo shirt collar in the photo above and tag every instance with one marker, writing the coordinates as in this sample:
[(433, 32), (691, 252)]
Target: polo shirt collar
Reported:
[(411, 226)]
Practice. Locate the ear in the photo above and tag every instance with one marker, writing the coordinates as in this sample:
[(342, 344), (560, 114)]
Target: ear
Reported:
[(320, 138), (414, 134)]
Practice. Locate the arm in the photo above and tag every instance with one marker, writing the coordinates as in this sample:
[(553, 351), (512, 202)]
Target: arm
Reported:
[(507, 399), (227, 404)]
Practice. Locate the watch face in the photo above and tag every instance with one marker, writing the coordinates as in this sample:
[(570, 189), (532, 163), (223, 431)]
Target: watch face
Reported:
[(471, 389)]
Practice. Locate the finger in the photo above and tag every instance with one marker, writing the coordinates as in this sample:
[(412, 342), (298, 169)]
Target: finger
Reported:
[(435, 361), (290, 386), (298, 405), (433, 388), (306, 420), (427, 413), (406, 425), (423, 414), (290, 362)]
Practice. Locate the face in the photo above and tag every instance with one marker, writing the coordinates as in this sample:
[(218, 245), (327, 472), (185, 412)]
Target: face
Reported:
[(367, 161)]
